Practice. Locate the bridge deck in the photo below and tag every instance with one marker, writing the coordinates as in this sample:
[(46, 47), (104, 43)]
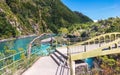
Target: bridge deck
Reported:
[(43, 66), (78, 49)]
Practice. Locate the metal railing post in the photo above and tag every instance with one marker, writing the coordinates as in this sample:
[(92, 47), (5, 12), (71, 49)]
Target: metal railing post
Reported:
[(72, 67), (13, 64), (84, 48), (99, 44)]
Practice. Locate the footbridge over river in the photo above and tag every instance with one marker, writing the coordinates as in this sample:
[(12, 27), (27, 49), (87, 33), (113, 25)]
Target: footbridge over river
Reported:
[(65, 57), (105, 44), (62, 60)]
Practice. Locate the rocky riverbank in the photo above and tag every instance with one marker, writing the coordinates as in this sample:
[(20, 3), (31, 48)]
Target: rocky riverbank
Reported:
[(23, 36)]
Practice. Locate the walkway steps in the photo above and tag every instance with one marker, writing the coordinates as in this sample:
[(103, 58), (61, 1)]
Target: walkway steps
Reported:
[(55, 59), (64, 55), (61, 61), (62, 71), (61, 58)]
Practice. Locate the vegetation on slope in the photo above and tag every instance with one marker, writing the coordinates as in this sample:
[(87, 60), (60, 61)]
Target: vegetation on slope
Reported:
[(96, 28), (24, 17)]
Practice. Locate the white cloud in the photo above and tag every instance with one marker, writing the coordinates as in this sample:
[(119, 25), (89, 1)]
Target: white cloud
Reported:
[(95, 20)]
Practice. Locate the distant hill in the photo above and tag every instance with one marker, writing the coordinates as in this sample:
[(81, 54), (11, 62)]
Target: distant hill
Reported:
[(24, 17), (109, 25), (82, 18)]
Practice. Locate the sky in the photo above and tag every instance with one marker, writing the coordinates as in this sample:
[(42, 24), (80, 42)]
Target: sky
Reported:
[(95, 9)]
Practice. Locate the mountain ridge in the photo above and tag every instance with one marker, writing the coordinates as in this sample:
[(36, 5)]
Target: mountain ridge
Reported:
[(25, 17)]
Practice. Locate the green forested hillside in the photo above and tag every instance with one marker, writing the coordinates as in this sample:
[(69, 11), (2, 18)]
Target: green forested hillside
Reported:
[(82, 18), (111, 24), (106, 26), (24, 17)]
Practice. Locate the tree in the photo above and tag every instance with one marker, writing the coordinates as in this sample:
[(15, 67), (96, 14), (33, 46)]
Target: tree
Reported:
[(63, 31)]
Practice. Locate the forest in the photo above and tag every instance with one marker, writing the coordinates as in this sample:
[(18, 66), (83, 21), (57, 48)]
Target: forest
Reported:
[(25, 17)]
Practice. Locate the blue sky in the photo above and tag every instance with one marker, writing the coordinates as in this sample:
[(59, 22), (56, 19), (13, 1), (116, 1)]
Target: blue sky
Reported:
[(95, 9)]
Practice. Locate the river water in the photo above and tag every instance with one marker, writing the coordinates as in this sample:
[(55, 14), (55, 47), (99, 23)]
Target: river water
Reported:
[(90, 62), (24, 42), (16, 44)]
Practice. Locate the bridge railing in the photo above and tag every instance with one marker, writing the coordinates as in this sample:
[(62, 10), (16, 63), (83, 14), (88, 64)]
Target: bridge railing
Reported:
[(100, 38), (98, 41), (10, 65), (17, 63), (110, 48), (106, 44)]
